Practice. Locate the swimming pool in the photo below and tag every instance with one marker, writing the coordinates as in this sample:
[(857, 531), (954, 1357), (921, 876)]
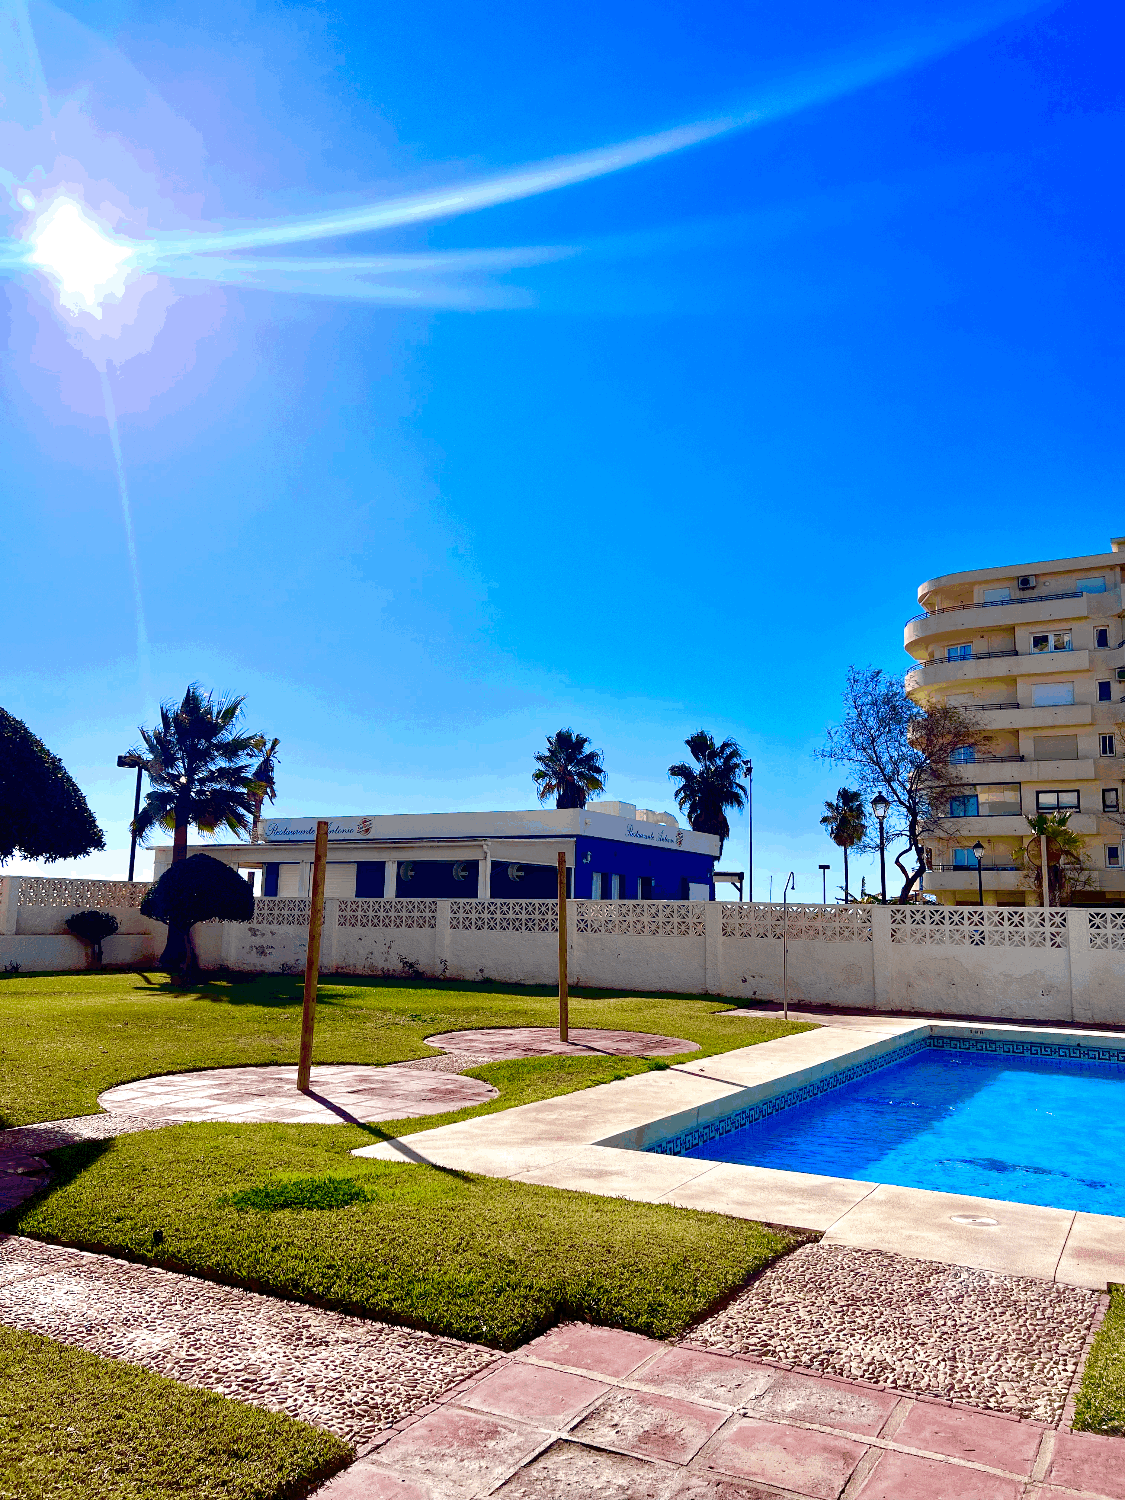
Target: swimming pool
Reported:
[(1027, 1122)]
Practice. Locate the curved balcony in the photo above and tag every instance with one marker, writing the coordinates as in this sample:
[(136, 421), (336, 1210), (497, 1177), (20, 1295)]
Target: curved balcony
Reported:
[(1002, 613), (982, 665)]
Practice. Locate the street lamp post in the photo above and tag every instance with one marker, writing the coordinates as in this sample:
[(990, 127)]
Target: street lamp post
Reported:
[(824, 869), (978, 850), (881, 807), (789, 883), (127, 762)]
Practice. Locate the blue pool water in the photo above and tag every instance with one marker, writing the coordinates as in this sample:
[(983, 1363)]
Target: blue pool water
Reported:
[(1032, 1130)]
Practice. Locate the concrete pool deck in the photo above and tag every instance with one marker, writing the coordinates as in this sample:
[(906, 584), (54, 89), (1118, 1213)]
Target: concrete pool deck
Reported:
[(576, 1141)]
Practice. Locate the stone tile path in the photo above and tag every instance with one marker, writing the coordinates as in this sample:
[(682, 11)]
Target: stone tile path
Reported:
[(351, 1375), (261, 1094), (589, 1412), (1009, 1344), (495, 1043)]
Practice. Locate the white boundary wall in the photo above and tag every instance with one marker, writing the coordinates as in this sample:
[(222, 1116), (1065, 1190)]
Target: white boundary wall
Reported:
[(1013, 962)]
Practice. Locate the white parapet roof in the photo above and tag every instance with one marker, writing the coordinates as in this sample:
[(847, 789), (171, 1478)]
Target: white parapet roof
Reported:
[(620, 821)]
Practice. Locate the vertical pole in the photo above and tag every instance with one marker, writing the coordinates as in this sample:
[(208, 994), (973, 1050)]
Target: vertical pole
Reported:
[(133, 830), (312, 958), (785, 959), (750, 823), (883, 860), (1046, 872), (564, 996)]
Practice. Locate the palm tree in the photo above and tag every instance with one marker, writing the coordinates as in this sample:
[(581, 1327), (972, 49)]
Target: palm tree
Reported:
[(568, 771), (846, 821), (264, 773), (1066, 865), (200, 768), (709, 787)]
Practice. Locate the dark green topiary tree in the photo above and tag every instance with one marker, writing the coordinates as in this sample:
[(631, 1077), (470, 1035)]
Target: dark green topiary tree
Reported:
[(93, 927), (197, 889), (43, 815)]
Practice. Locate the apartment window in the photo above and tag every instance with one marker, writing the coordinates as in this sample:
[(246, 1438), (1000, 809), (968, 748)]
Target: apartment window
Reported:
[(1051, 640), (1056, 802), (1105, 692), (1113, 856), (1052, 694), (644, 887), (964, 859), (1101, 638), (961, 652), (964, 755), (964, 807), (996, 596), (1111, 799), (999, 801), (1056, 746), (1091, 585), (1107, 745)]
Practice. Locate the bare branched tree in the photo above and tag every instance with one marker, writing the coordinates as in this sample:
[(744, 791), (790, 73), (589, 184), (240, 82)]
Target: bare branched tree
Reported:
[(902, 749)]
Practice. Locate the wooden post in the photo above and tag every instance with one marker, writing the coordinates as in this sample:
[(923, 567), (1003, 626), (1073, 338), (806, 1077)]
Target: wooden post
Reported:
[(564, 997), (312, 957)]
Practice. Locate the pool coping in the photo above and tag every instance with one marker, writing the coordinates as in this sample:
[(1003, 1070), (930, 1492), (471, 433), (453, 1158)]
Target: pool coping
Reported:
[(595, 1141)]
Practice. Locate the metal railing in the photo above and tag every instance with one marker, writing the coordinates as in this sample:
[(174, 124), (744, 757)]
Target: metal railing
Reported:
[(949, 609), (969, 869)]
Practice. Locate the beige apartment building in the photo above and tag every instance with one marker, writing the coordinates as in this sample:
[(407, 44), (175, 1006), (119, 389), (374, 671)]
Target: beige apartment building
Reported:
[(1034, 652)]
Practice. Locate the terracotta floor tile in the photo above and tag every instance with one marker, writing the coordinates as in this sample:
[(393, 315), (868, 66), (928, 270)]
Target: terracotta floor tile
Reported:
[(972, 1435), (706, 1377), (649, 1426), (811, 1463), (829, 1403), (365, 1482), (900, 1476), (692, 1485), (546, 1397), (567, 1471), (604, 1351), (1085, 1461), (458, 1453)]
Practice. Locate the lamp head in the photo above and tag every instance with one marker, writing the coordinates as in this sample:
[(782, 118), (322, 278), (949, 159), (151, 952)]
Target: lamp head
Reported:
[(978, 850), (880, 806)]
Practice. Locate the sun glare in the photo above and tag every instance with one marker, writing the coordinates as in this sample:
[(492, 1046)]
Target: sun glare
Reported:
[(86, 263)]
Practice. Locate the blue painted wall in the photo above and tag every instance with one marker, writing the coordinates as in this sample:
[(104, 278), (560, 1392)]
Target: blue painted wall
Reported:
[(669, 870)]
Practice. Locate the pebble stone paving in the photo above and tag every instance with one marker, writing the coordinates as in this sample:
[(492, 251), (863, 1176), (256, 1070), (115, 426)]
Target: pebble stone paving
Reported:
[(1002, 1343), (354, 1376)]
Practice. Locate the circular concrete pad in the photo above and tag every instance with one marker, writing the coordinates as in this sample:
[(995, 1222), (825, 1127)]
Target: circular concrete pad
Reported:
[(339, 1095), (501, 1042)]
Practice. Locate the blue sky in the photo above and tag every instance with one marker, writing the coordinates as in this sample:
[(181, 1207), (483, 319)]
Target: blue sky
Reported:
[(682, 475)]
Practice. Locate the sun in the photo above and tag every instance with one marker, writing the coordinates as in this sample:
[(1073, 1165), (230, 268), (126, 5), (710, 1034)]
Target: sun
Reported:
[(83, 260)]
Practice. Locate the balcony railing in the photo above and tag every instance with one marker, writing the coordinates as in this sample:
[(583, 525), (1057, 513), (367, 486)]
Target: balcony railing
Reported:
[(969, 869), (947, 661), (1010, 810), (989, 707), (949, 609)]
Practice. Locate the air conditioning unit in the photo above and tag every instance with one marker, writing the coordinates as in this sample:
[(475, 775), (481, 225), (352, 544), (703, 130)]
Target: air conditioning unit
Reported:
[(1027, 581)]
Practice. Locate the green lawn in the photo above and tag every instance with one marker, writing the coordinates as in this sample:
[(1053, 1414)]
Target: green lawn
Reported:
[(64, 1038), (77, 1427), (1100, 1406), (286, 1209)]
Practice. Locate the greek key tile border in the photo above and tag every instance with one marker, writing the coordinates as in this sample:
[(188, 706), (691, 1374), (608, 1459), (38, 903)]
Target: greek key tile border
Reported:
[(753, 1114)]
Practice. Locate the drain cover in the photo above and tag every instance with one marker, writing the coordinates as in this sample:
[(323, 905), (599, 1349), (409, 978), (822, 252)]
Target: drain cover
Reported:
[(982, 1221)]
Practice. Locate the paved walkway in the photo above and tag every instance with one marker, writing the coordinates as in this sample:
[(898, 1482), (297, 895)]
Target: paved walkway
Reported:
[(337, 1094), (353, 1376), (588, 1412), (499, 1042)]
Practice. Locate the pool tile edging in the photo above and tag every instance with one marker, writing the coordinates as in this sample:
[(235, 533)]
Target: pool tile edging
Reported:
[(763, 1104)]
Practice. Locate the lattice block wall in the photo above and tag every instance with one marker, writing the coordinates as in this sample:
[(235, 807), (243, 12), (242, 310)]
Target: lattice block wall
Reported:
[(980, 926), (642, 918), (374, 911), (86, 895), (504, 916), (822, 924)]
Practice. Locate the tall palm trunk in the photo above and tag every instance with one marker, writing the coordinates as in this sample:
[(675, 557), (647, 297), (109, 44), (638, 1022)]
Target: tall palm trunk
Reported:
[(179, 843), (845, 847)]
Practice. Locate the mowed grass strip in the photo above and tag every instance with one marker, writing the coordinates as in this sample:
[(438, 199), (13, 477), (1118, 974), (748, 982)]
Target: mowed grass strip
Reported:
[(66, 1037), (1100, 1405), (75, 1426), (285, 1209)]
